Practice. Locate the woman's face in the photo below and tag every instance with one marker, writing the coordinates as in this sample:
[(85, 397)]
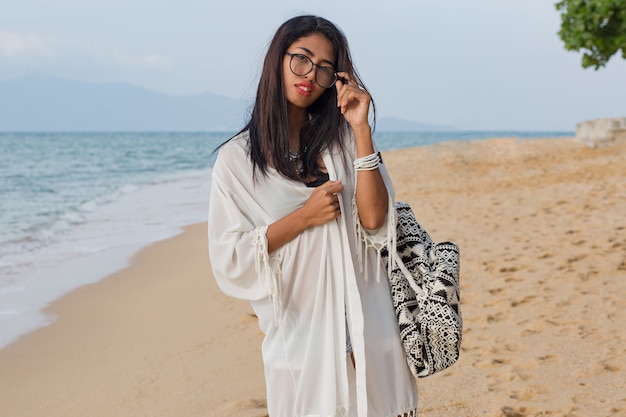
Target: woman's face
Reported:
[(302, 90)]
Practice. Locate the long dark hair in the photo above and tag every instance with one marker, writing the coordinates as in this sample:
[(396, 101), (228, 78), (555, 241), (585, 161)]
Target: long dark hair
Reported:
[(268, 125)]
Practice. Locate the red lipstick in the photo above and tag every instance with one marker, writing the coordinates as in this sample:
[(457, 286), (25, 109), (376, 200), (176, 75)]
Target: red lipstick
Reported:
[(304, 88)]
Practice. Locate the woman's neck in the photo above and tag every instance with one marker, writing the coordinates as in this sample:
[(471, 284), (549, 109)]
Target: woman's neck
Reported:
[(297, 118)]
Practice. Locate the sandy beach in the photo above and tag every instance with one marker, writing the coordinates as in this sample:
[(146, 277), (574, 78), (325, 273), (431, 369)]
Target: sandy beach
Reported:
[(542, 229)]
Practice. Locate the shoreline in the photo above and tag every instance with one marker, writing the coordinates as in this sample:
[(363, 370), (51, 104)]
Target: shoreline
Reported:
[(38, 293), (105, 332), (103, 242), (543, 260)]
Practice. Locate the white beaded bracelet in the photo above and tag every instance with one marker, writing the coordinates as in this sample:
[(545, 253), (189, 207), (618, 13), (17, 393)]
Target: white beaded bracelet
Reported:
[(368, 163)]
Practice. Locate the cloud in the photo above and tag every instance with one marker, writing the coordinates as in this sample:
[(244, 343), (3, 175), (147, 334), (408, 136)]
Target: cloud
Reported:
[(46, 52), (139, 62), (18, 45)]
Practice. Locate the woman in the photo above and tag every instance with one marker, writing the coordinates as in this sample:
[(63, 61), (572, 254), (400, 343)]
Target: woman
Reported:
[(300, 207)]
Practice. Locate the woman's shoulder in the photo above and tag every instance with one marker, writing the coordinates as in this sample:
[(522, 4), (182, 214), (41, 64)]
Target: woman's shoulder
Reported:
[(234, 149), (237, 143), (233, 159)]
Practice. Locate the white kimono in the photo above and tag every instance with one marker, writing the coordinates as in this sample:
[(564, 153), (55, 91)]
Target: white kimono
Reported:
[(309, 290)]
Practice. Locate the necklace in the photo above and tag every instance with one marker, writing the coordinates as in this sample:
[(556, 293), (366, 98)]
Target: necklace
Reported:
[(294, 156), (296, 159)]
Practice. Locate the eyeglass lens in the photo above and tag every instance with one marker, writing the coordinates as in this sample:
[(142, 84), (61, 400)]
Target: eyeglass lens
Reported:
[(302, 65)]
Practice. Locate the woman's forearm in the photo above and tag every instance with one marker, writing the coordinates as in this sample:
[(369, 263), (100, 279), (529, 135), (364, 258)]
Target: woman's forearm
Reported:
[(371, 192), (285, 230)]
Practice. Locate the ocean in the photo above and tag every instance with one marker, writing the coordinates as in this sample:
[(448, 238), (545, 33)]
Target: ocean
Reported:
[(75, 207)]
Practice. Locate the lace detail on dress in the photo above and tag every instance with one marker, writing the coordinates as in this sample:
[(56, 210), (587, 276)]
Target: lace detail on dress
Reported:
[(267, 268)]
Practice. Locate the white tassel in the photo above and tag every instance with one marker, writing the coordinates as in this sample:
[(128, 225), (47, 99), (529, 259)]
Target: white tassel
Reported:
[(364, 242), (268, 277)]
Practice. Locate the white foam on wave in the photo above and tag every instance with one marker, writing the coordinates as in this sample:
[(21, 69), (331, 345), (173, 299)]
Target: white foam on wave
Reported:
[(98, 242), (53, 225)]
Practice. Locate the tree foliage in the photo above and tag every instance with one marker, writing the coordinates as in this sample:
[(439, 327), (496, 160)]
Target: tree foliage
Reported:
[(598, 27)]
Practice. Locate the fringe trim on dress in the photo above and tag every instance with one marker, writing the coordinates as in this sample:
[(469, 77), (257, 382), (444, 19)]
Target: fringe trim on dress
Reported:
[(364, 239), (411, 412), (268, 269)]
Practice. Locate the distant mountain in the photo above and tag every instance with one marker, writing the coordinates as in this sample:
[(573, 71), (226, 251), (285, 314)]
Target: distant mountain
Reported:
[(46, 103), (393, 124), (43, 103)]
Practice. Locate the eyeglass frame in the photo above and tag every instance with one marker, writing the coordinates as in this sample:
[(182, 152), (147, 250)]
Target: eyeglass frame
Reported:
[(313, 64)]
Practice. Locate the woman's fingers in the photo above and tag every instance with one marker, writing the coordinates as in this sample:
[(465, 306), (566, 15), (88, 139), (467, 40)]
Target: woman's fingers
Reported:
[(324, 203), (332, 194), (350, 97), (345, 90), (334, 187)]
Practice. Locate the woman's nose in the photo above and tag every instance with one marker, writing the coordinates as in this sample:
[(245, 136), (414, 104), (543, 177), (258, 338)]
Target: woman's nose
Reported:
[(312, 75)]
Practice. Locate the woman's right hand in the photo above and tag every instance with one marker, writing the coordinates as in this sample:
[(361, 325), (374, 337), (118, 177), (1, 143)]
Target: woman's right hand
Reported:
[(323, 205)]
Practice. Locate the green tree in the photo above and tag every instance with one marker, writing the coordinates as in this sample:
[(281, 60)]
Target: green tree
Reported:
[(598, 27)]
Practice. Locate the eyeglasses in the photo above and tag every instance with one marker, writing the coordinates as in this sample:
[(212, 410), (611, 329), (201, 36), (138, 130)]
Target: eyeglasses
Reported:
[(300, 65)]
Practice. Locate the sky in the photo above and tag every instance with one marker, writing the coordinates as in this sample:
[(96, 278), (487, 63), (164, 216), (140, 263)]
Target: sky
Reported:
[(475, 65)]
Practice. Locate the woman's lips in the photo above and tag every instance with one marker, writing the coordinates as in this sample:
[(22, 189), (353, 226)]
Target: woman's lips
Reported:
[(304, 88)]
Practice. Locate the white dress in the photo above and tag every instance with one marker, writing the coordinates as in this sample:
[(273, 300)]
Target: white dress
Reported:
[(306, 292)]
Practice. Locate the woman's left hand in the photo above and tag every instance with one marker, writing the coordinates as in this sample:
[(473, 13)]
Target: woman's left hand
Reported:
[(353, 101)]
